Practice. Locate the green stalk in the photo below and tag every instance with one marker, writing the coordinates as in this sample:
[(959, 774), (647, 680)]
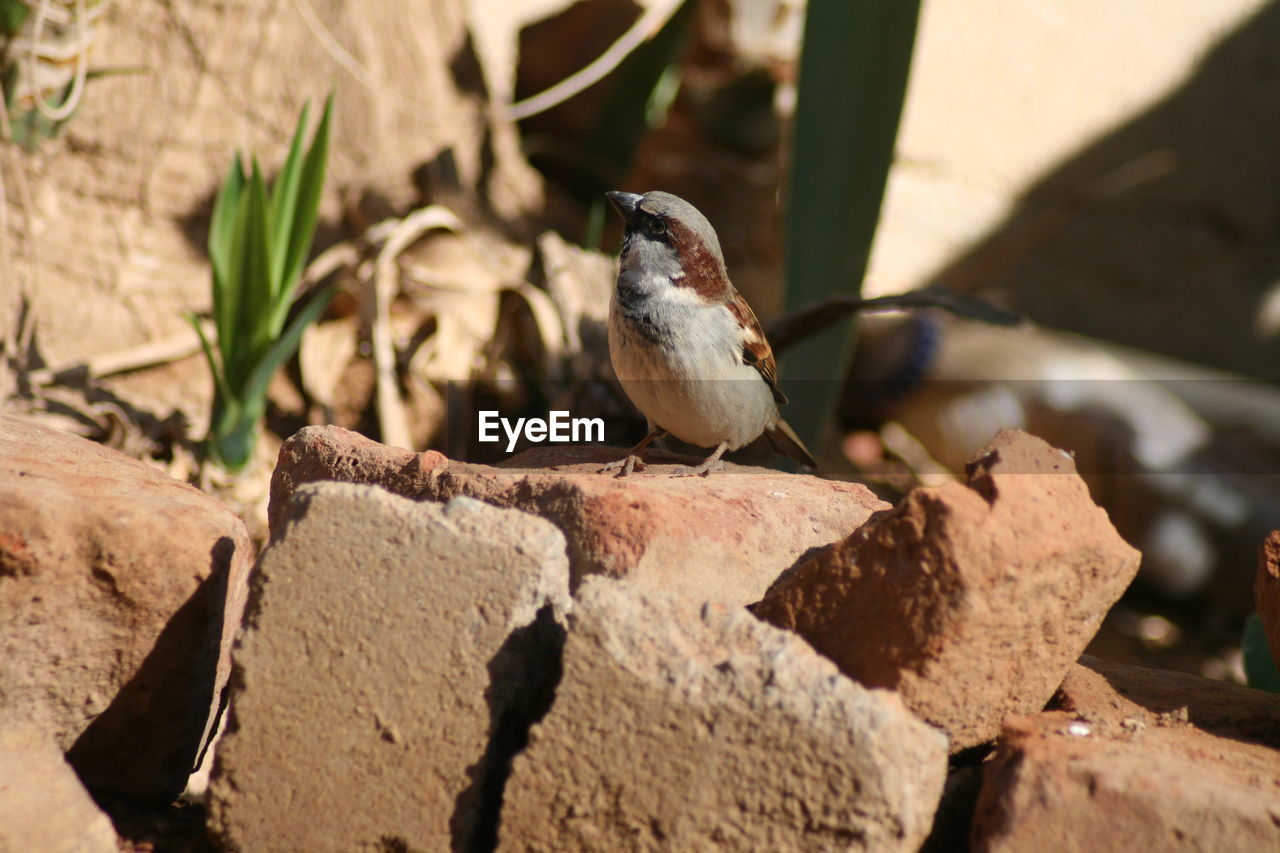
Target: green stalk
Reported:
[(853, 79)]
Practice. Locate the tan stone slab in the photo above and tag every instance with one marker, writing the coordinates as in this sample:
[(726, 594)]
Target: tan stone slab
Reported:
[(681, 725), (386, 642)]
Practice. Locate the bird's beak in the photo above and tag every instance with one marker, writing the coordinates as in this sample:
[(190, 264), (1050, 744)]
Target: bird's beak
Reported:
[(624, 203)]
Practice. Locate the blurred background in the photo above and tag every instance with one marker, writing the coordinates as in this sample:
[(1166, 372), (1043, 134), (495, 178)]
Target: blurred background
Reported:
[(1108, 171)]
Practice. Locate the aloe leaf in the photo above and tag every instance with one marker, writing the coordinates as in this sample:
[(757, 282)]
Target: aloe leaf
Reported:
[(260, 304), (308, 203), (284, 201), (222, 227), (222, 223), (221, 389), (32, 127), (638, 88), (232, 339), (10, 75), (116, 71), (234, 434), (258, 241), (853, 79), (234, 444), (285, 346)]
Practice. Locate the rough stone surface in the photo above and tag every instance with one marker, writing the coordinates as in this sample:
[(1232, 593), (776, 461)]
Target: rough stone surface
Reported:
[(120, 592), (1097, 689), (1266, 591), (724, 537), (688, 726), (1164, 761), (386, 646), (970, 600), (330, 453), (43, 806)]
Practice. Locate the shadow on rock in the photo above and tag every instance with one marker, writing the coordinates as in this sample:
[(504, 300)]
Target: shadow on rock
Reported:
[(523, 678)]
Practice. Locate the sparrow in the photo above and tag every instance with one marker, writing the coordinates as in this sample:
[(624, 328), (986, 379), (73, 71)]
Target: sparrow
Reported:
[(686, 347)]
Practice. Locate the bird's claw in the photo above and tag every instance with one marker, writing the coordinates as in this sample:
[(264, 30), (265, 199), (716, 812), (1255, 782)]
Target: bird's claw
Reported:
[(624, 466), (703, 470)]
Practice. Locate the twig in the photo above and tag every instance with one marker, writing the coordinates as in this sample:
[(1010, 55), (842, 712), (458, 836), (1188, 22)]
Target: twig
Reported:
[(72, 100), (332, 259), (340, 55), (149, 354), (645, 27), (392, 418), (785, 331)]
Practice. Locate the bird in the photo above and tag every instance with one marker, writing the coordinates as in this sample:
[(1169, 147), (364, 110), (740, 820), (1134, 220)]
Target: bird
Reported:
[(685, 346)]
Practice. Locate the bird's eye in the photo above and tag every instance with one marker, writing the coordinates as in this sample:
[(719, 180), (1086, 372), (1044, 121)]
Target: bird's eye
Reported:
[(657, 227)]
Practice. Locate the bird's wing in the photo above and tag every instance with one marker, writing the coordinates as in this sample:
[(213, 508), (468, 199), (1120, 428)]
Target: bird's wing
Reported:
[(755, 347)]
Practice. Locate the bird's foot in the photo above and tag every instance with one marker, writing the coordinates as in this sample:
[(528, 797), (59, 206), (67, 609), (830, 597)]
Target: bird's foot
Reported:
[(711, 463), (703, 470), (625, 466)]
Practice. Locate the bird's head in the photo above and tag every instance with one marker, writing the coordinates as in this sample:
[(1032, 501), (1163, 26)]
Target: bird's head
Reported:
[(668, 238)]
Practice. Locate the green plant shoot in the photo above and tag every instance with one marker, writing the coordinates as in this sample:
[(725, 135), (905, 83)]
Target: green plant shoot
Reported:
[(259, 241)]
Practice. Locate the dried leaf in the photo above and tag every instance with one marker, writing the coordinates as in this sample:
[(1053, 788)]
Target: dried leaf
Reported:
[(326, 350)]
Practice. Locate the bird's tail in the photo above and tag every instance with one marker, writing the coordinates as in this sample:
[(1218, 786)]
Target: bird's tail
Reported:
[(784, 440)]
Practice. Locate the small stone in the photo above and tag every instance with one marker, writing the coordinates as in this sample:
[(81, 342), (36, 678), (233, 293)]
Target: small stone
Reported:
[(1173, 717)]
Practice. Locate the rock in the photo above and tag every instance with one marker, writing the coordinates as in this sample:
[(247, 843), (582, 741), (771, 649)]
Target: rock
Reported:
[(1164, 761), (43, 806), (1266, 592), (121, 590), (681, 725), (316, 454), (1098, 689), (970, 600), (392, 656), (725, 537)]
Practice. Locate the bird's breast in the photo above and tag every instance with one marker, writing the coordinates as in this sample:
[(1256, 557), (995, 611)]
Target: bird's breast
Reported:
[(679, 360)]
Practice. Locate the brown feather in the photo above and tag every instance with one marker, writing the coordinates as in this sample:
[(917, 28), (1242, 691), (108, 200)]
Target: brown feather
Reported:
[(755, 347), (704, 271), (784, 440)]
